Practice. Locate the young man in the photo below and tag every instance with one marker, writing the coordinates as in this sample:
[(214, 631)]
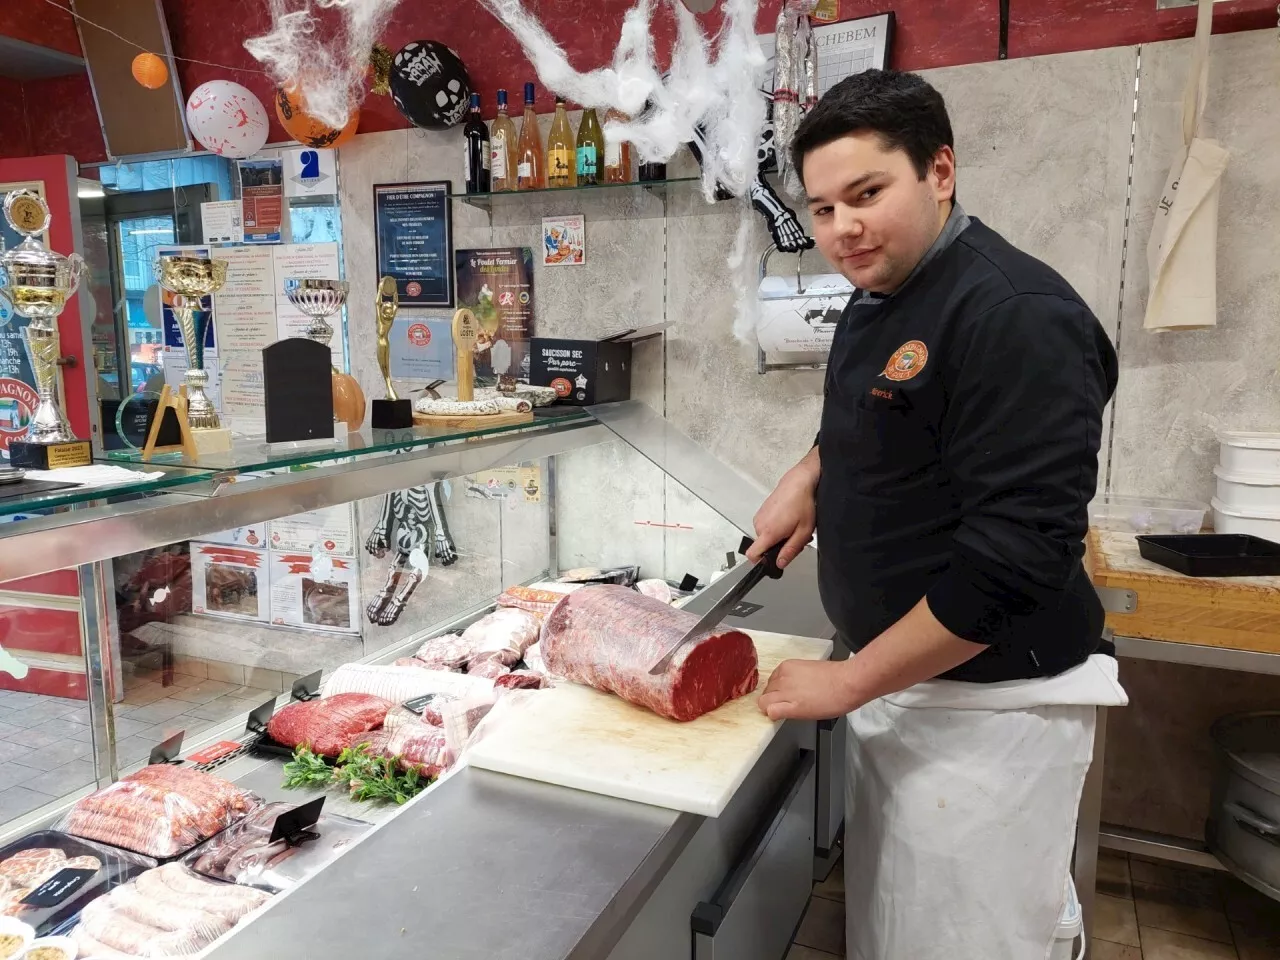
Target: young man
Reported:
[(949, 488)]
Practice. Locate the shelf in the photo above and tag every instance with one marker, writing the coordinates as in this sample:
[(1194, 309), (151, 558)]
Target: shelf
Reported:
[(484, 200), (173, 479), (254, 454), (618, 201)]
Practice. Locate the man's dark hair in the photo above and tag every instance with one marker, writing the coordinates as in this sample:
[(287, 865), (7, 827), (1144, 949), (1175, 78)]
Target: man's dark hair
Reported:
[(901, 108)]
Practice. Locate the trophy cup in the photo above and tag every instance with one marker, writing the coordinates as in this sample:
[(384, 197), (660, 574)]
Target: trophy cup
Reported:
[(38, 282), (189, 279), (391, 413), (319, 300)]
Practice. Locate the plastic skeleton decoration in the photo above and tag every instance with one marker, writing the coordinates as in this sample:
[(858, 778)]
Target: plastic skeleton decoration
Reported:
[(788, 235), (417, 518), (793, 94)]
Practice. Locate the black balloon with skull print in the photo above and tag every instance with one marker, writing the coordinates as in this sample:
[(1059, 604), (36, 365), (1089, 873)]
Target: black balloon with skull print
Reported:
[(429, 85)]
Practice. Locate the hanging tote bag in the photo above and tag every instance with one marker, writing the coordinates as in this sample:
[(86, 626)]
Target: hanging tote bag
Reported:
[(1182, 253)]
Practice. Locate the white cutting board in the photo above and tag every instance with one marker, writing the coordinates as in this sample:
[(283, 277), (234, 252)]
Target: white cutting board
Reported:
[(576, 736)]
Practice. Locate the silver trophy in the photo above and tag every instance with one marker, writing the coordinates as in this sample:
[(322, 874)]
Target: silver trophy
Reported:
[(38, 282), (189, 279), (320, 300)]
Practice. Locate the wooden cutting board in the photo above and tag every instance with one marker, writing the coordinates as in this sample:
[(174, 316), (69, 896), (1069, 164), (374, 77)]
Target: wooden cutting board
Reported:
[(506, 419), (575, 736), (1240, 613)]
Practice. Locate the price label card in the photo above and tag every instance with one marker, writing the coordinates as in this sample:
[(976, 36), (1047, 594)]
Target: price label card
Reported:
[(58, 888)]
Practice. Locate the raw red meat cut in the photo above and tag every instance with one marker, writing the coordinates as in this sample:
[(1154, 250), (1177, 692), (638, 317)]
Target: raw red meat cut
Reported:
[(521, 680), (608, 637), (488, 665), (159, 811), (329, 725)]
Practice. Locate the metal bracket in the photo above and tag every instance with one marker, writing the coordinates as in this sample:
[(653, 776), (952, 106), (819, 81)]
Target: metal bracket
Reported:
[(1117, 599)]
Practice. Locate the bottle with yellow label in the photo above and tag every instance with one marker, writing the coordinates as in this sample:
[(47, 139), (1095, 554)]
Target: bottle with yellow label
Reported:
[(562, 150)]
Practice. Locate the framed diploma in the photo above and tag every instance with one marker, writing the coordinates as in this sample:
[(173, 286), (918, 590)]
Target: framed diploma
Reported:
[(413, 231)]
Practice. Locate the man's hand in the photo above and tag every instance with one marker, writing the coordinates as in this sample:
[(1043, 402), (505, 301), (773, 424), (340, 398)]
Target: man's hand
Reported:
[(810, 690), (789, 514)]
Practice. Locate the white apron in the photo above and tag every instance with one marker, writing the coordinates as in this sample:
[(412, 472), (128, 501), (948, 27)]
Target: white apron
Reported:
[(960, 817)]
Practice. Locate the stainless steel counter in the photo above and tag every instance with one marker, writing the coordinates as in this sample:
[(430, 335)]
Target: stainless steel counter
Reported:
[(486, 867)]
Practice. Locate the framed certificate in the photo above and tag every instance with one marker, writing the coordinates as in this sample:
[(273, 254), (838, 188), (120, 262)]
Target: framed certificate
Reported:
[(413, 231)]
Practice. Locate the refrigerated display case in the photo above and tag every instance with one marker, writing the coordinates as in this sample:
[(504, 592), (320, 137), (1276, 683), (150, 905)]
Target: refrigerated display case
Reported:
[(222, 588)]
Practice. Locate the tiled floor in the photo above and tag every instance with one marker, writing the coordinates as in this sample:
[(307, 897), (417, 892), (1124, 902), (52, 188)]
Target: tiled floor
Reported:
[(1145, 911), (46, 747)]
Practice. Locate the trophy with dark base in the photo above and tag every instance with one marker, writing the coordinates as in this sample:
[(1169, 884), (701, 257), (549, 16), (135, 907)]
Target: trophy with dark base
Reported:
[(38, 282), (190, 279), (391, 413)]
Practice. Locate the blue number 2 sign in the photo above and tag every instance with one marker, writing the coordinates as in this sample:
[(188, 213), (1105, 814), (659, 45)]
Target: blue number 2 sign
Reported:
[(310, 160)]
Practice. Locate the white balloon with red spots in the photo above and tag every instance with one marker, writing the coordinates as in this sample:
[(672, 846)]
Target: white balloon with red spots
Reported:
[(227, 119)]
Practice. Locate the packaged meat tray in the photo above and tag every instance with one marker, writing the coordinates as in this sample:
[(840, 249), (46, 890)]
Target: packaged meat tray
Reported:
[(399, 684), (35, 865), (165, 912), (244, 854), (160, 811), (608, 637)]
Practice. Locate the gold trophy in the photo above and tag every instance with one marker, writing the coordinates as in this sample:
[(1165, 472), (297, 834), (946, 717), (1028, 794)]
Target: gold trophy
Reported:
[(391, 413), (189, 279), (39, 282)]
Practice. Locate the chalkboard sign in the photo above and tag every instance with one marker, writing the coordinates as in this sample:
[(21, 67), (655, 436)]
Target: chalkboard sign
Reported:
[(297, 380)]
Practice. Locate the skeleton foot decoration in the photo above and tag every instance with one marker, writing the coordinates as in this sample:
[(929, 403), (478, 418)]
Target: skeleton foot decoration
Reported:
[(377, 543), (374, 609), (445, 550), (396, 607)]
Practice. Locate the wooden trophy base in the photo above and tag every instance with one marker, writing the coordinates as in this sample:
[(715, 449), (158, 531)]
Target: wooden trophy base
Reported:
[(49, 456), (210, 440), (177, 403), (510, 419), (391, 414)]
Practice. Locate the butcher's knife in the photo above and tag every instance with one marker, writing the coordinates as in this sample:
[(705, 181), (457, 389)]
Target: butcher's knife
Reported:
[(767, 567)]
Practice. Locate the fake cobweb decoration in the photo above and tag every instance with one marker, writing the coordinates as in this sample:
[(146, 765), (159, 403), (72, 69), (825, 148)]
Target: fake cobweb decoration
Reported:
[(712, 88), (328, 65)]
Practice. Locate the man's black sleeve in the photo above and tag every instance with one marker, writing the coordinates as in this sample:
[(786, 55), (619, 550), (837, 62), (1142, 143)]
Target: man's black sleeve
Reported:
[(1027, 381)]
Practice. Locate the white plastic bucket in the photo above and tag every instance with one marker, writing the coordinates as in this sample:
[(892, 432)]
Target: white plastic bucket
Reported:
[(1070, 929), (1242, 452), (1249, 493), (1232, 520)]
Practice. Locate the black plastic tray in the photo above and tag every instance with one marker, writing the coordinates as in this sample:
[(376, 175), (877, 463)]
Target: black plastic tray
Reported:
[(1214, 554), (117, 867)]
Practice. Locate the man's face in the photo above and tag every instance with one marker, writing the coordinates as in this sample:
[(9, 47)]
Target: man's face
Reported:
[(873, 217)]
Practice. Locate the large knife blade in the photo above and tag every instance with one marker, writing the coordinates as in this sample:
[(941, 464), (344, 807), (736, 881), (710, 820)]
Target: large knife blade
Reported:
[(767, 567)]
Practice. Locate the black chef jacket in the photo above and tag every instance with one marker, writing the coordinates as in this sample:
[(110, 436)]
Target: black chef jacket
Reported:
[(959, 443)]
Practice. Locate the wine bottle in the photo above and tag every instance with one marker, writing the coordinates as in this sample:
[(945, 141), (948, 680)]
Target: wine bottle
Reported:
[(502, 149), (531, 171), (476, 145), (617, 153), (590, 150), (562, 160), (650, 171)]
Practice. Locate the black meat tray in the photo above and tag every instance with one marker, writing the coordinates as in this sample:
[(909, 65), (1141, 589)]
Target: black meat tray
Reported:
[(1213, 554), (118, 867), (266, 746)]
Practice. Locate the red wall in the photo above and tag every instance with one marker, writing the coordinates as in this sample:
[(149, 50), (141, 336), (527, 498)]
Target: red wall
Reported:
[(931, 33), (15, 139)]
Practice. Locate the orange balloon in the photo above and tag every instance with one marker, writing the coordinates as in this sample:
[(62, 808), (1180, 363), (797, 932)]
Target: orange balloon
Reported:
[(306, 129), (150, 71)]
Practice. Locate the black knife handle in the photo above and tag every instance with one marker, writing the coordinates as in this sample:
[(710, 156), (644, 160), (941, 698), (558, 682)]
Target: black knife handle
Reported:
[(770, 559)]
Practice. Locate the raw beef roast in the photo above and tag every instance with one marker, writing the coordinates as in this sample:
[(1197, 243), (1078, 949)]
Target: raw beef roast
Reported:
[(328, 725), (608, 637)]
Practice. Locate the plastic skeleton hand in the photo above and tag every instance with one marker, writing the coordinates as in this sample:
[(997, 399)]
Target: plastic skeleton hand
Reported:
[(788, 235)]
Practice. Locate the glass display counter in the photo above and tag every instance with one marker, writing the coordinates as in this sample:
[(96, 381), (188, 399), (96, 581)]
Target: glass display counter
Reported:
[(246, 583)]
